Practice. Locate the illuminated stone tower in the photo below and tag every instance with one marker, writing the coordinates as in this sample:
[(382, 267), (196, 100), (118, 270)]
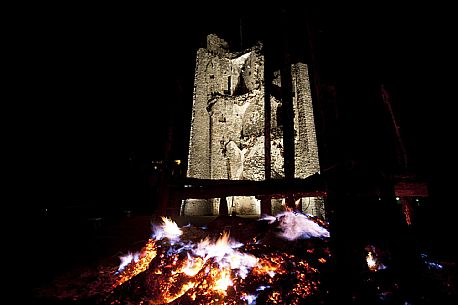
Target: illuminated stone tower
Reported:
[(227, 128)]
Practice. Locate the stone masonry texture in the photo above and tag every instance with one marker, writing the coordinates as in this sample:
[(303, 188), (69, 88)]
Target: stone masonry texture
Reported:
[(227, 125)]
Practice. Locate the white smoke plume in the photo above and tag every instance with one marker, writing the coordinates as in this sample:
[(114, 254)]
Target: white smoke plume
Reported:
[(296, 225)]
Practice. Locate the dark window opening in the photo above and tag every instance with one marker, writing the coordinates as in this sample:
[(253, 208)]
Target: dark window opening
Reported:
[(279, 116), (228, 91)]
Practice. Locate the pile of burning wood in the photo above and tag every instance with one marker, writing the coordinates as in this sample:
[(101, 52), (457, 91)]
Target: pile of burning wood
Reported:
[(278, 261), (274, 260)]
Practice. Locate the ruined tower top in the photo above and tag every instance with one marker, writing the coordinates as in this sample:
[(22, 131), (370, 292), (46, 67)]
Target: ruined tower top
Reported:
[(217, 45)]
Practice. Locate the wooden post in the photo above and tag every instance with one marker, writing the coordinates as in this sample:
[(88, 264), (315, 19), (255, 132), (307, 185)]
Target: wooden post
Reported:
[(288, 112)]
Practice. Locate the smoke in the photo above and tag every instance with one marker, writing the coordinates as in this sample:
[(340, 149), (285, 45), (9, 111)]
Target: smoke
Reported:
[(296, 225)]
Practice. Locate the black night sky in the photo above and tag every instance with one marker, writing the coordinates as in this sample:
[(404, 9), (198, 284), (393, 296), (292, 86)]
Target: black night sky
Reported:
[(98, 85)]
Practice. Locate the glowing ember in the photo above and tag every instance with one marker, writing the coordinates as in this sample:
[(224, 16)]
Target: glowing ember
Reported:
[(221, 270), (372, 260), (193, 265), (371, 263), (140, 265), (223, 281)]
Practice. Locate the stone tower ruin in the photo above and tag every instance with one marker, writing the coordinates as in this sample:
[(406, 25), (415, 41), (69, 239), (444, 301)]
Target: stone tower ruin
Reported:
[(227, 127)]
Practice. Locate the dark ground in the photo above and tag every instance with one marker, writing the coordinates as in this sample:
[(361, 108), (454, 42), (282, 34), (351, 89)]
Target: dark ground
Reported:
[(77, 239)]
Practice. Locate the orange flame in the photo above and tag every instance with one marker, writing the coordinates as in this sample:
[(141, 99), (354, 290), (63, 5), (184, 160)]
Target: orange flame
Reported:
[(371, 262), (223, 281), (148, 254), (193, 266)]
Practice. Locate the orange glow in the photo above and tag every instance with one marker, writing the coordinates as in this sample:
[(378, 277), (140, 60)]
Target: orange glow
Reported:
[(193, 266), (223, 281), (141, 265), (371, 262), (185, 288)]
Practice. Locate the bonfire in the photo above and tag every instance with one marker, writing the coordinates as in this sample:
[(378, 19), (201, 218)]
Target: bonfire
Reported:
[(274, 260)]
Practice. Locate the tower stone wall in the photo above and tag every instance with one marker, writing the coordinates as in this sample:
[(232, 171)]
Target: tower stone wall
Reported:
[(227, 126)]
